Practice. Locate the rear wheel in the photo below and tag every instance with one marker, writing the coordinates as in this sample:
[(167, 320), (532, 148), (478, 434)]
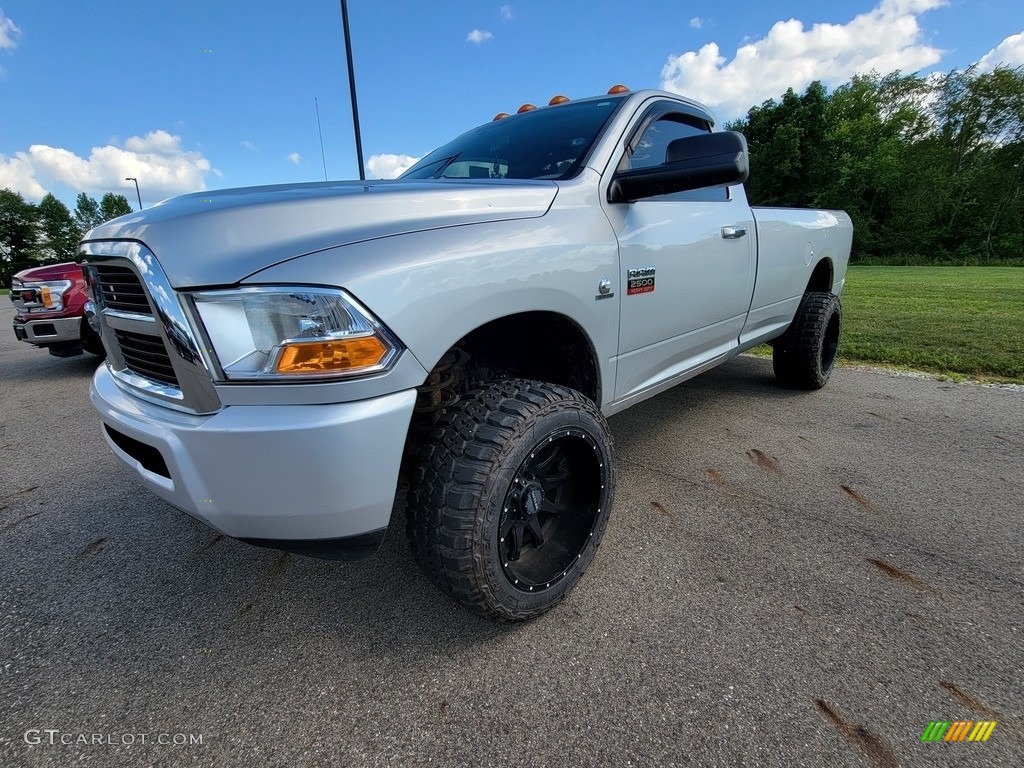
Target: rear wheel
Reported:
[(804, 356), (510, 501)]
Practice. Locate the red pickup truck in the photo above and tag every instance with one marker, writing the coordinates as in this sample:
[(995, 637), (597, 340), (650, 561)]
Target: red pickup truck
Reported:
[(53, 310)]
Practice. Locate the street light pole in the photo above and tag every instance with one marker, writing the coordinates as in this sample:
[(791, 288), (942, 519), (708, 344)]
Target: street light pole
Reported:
[(137, 193)]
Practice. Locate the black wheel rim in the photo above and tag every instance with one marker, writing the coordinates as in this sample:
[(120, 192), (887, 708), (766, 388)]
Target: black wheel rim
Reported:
[(551, 508), (830, 344)]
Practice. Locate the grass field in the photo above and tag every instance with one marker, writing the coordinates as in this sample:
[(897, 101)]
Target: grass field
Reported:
[(960, 321)]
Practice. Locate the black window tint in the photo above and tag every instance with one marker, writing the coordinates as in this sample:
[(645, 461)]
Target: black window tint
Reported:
[(649, 150), (651, 146), (547, 143)]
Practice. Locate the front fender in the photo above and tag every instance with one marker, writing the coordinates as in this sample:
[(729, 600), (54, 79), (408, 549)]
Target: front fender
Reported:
[(432, 288)]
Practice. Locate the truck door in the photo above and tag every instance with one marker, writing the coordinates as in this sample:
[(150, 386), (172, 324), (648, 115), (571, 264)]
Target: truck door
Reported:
[(687, 262)]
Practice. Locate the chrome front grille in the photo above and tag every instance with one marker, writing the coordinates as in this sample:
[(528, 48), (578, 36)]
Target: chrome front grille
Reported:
[(147, 356), (121, 289), (153, 352)]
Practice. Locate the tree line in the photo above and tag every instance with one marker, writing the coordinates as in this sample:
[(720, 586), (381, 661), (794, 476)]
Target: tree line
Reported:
[(34, 234), (929, 168)]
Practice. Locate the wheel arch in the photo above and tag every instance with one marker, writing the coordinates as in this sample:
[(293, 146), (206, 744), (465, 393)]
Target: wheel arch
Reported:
[(822, 277), (541, 345), (562, 354)]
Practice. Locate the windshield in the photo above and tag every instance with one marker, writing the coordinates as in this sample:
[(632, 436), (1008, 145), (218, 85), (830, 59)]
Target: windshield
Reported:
[(548, 143)]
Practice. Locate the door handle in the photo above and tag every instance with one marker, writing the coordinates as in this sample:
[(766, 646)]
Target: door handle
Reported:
[(733, 233)]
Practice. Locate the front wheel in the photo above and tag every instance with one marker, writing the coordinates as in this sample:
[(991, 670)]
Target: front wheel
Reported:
[(804, 356), (512, 497)]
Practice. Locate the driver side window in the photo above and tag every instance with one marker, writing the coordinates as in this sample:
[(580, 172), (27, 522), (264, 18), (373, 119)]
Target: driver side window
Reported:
[(649, 151)]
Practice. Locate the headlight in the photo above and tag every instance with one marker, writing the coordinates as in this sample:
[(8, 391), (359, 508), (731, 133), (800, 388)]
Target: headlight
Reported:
[(291, 333), (48, 294)]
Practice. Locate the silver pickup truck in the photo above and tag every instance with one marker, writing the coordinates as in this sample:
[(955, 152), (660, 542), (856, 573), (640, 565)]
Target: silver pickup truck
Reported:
[(278, 357)]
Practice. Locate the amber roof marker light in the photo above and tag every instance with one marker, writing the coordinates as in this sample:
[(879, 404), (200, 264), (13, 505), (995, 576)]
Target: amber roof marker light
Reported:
[(555, 101)]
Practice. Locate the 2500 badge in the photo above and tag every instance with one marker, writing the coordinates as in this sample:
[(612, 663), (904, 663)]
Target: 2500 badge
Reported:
[(640, 280)]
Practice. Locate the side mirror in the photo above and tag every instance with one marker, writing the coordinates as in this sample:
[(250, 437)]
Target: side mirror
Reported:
[(695, 162)]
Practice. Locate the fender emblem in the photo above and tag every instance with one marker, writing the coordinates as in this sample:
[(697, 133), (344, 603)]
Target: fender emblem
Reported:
[(640, 280)]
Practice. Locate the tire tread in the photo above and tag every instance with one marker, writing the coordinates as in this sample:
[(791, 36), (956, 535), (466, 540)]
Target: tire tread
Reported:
[(796, 356), (469, 440)]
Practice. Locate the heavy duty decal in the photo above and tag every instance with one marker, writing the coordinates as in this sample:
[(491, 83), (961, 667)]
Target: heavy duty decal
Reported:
[(640, 280)]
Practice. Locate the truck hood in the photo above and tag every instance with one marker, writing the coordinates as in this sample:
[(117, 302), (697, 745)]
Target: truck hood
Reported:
[(66, 271), (219, 238)]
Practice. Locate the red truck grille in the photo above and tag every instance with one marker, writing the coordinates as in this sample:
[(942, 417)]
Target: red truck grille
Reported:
[(121, 289)]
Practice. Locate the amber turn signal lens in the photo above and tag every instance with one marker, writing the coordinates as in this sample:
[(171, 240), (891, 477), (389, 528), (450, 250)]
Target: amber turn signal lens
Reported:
[(559, 99), (500, 116), (525, 108), (617, 89), (46, 297), (331, 356)]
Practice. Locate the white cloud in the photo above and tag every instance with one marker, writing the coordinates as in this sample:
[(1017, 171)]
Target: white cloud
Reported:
[(9, 32), (696, 22), (478, 36), (157, 159), (1009, 53), (506, 13), (884, 39), (295, 157), (388, 166), (154, 142), (246, 144), (16, 174)]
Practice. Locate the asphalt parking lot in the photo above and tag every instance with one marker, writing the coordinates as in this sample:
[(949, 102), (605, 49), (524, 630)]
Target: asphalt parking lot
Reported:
[(787, 579)]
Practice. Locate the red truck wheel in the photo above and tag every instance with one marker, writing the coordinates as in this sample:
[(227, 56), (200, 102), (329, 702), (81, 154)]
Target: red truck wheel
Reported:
[(91, 341)]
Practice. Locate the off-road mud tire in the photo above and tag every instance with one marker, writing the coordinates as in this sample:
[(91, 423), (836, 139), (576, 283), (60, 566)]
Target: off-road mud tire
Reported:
[(496, 440), (805, 355)]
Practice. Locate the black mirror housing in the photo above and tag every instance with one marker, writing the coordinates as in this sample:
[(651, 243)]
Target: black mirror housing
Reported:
[(695, 162)]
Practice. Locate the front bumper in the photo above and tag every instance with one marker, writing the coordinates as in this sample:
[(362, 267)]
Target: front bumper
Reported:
[(46, 331), (283, 473)]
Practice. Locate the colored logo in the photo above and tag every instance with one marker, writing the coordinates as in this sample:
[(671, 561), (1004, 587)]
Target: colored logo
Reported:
[(640, 280), (958, 730)]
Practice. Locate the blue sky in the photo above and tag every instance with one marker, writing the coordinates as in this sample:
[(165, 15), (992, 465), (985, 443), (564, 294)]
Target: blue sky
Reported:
[(190, 95)]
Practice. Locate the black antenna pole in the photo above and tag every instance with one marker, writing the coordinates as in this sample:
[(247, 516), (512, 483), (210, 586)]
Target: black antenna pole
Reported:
[(352, 89), (321, 131)]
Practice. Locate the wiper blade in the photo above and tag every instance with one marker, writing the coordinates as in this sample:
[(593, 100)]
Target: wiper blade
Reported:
[(444, 166)]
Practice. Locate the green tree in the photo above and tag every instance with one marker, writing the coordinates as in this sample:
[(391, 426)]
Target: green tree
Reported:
[(980, 124), (87, 212), (112, 206), (873, 123), (929, 169), (19, 234), (60, 233), (788, 149)]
